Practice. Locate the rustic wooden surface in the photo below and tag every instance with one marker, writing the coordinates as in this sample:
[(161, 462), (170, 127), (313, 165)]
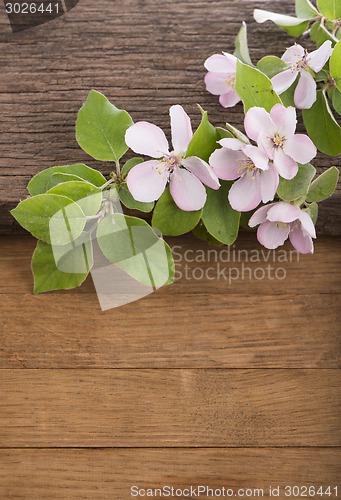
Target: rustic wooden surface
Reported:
[(237, 328), (180, 408), (101, 474), (144, 56), (199, 383), (202, 382)]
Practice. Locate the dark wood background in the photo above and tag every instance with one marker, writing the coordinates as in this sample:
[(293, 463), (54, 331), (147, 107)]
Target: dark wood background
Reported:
[(145, 55)]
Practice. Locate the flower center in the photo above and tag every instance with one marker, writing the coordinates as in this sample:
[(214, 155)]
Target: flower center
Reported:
[(301, 64), (246, 167), (230, 81), (278, 141), (171, 162), (282, 225)]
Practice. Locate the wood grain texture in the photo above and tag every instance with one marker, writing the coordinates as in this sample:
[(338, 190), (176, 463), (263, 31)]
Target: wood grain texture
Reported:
[(143, 57), (108, 474), (198, 324), (173, 408)]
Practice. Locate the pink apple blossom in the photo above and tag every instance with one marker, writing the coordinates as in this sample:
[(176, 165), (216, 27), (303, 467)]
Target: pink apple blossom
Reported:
[(147, 181), (304, 65), (257, 177), (281, 220), (221, 78), (275, 134)]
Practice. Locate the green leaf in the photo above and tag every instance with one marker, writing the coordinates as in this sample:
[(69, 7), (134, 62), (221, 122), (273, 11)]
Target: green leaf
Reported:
[(59, 178), (337, 101), (241, 44), (319, 34), (51, 217), (321, 76), (244, 220), (76, 257), (324, 185), (271, 66), (292, 25), (296, 31), (255, 88), (335, 65), (288, 96), (39, 184), (133, 245), (313, 211), (331, 9), (101, 128), (305, 9), (296, 188), (237, 134), (47, 276), (128, 201), (129, 165), (204, 140), (88, 196), (170, 220), (220, 220), (223, 134), (201, 233), (322, 126)]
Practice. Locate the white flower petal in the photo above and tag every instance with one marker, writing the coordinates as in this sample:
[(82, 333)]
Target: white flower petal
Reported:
[(301, 242), (257, 156), (187, 191), (301, 148), (216, 83), (284, 119), (229, 99), (181, 128), (219, 63), (202, 171), (307, 224), (272, 235), (226, 164), (260, 215), (305, 92), (147, 180), (283, 212), (258, 120), (147, 139), (245, 194), (318, 58), (269, 180), (232, 61), (293, 54), (282, 81), (285, 165), (230, 143), (266, 145)]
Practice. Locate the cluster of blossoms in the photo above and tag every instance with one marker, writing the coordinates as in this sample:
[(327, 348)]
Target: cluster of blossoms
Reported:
[(186, 176), (221, 75), (270, 149), (301, 65), (256, 168), (278, 221)]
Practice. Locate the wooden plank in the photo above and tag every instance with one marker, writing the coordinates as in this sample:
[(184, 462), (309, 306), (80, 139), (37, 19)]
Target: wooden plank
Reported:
[(172, 408), (242, 269), (108, 474), (199, 331), (143, 57), (194, 324)]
